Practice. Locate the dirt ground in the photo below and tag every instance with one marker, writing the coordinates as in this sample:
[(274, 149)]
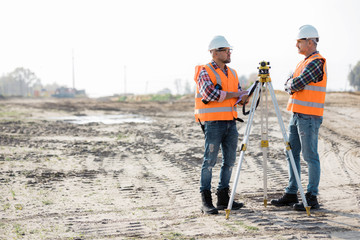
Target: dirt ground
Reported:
[(60, 180)]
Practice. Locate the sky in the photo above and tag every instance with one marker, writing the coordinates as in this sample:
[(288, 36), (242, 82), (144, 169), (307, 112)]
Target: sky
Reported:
[(144, 46)]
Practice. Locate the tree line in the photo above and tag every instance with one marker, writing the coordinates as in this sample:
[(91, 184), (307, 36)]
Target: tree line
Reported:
[(23, 82), (354, 77)]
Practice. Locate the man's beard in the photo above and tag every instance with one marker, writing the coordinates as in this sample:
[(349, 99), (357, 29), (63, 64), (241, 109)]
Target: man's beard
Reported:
[(227, 61)]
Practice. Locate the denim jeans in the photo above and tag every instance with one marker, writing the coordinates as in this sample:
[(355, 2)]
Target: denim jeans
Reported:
[(218, 134), (303, 137)]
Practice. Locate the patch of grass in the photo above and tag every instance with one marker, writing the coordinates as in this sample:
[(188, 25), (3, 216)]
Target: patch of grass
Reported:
[(121, 136), (13, 194), (252, 228), (79, 236), (175, 236), (231, 227), (242, 224), (6, 206), (47, 202), (161, 97), (9, 114), (18, 230), (172, 235), (122, 99)]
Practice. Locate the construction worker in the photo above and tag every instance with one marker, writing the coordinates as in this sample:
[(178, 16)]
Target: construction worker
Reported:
[(307, 89), (218, 90)]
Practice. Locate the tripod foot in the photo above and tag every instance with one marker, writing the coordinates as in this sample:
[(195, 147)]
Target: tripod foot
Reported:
[(308, 210), (227, 211), (265, 202)]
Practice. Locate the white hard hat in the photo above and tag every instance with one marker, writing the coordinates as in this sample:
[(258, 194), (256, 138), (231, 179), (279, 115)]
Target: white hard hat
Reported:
[(307, 31), (218, 42)]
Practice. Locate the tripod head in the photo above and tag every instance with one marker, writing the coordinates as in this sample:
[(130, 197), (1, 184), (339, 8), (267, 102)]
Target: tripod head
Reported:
[(264, 71), (264, 76)]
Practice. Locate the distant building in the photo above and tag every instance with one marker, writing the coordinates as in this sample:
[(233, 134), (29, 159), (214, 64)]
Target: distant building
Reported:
[(164, 91), (64, 92)]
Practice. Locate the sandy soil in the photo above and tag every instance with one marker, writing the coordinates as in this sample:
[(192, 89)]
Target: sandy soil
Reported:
[(60, 180)]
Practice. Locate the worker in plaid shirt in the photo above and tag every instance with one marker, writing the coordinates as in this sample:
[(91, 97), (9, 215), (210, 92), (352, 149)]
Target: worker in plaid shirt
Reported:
[(219, 122), (207, 89), (307, 89), (313, 72)]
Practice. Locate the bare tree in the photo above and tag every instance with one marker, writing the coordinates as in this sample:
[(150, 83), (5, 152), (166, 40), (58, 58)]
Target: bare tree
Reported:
[(19, 82), (187, 88), (178, 85), (243, 81), (354, 77)]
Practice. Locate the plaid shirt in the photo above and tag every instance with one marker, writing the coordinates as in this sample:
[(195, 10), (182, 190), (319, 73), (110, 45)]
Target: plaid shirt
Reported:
[(313, 72), (207, 88)]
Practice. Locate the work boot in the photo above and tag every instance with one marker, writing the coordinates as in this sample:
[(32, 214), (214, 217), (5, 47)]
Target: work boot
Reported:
[(311, 201), (286, 200), (207, 206), (223, 200)]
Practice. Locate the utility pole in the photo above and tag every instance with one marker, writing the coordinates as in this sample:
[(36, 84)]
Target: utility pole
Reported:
[(347, 77), (146, 87), (125, 79), (73, 70)]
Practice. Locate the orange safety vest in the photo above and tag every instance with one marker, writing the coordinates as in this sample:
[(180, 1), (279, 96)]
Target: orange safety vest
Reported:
[(215, 111), (311, 99)]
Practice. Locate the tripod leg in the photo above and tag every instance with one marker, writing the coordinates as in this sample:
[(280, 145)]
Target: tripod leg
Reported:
[(243, 148), (264, 142), (288, 149)]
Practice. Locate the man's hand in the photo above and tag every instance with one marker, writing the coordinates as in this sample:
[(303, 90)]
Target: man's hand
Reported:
[(235, 94), (287, 86), (243, 99)]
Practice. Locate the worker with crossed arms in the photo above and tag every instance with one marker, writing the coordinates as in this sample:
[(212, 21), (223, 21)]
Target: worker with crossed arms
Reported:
[(307, 89)]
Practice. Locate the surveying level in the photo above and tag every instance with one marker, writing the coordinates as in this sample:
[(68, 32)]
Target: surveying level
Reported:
[(264, 81), (264, 76), (264, 68)]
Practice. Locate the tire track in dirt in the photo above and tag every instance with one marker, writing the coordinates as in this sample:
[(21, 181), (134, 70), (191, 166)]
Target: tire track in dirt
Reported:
[(277, 165), (277, 173), (141, 181), (155, 182), (344, 165)]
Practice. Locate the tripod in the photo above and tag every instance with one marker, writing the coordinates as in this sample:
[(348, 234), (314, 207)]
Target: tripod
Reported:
[(264, 80)]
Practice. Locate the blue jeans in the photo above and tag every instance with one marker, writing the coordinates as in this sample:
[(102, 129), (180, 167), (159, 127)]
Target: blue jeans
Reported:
[(218, 134), (303, 137)]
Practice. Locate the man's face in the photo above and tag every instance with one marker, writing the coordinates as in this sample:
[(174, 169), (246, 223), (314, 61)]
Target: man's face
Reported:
[(303, 46), (223, 55)]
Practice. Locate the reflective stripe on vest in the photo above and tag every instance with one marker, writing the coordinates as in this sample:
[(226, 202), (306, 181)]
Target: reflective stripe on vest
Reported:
[(218, 78), (233, 72), (311, 99), (215, 111), (315, 88), (307, 104)]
